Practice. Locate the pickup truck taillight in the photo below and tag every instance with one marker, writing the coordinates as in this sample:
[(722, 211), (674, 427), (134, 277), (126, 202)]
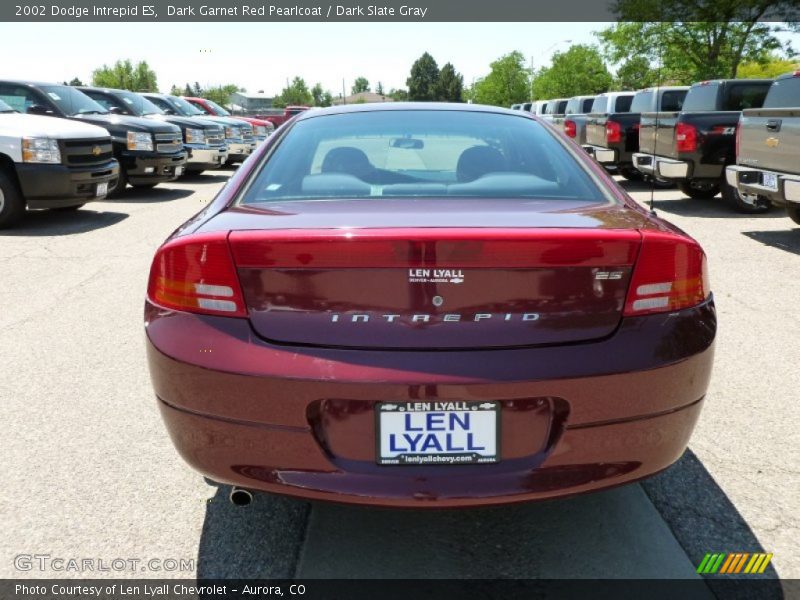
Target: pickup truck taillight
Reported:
[(670, 274), (570, 128), (196, 274), (685, 137), (613, 132)]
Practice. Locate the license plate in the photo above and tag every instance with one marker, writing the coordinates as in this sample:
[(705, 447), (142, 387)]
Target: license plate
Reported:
[(769, 180), (178, 171), (102, 189), (437, 433)]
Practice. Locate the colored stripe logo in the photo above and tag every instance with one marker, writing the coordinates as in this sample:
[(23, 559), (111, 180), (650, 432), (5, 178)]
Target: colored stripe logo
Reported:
[(734, 562)]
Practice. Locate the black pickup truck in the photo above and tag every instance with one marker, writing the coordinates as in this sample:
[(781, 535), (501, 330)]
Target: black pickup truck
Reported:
[(149, 152), (692, 147), (612, 132)]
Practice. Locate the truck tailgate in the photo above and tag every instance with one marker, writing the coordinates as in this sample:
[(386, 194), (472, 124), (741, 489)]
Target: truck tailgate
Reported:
[(596, 130), (769, 138), (657, 133)]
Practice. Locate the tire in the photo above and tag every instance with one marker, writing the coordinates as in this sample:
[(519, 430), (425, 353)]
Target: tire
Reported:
[(12, 205), (122, 183), (662, 184), (706, 192), (732, 196), (631, 173), (193, 173), (143, 186), (72, 208), (793, 210)]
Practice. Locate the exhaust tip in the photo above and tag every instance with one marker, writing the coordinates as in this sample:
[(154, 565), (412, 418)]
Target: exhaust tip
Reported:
[(240, 497)]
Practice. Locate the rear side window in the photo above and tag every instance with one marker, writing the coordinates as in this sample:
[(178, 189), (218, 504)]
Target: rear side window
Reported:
[(672, 100), (420, 153), (784, 93), (573, 106), (599, 105), (741, 96), (701, 97), (623, 104), (587, 105)]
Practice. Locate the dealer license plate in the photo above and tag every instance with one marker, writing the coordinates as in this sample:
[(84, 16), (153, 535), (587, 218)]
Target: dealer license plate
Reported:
[(769, 180), (102, 190), (437, 433), (178, 171)]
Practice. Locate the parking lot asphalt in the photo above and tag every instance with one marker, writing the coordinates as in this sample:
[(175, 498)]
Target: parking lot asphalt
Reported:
[(90, 472)]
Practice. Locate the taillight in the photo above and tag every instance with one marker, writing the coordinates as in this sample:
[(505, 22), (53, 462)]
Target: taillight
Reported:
[(685, 137), (613, 132), (196, 274), (570, 128), (670, 274)]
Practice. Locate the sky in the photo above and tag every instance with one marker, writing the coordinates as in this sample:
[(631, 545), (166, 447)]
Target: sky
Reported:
[(262, 56)]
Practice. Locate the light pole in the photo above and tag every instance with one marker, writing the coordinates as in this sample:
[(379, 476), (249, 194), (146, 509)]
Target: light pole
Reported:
[(545, 52)]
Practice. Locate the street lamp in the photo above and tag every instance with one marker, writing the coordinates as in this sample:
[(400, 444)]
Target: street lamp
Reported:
[(545, 52)]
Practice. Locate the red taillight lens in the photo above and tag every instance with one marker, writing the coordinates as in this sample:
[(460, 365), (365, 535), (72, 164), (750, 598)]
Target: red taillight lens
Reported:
[(570, 128), (196, 274), (613, 132), (670, 274), (685, 137)]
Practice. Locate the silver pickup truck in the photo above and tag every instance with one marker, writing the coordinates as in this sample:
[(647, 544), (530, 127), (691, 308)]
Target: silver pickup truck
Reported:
[(768, 148)]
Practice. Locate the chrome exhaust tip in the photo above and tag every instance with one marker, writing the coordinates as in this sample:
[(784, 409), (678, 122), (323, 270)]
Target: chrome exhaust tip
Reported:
[(240, 496)]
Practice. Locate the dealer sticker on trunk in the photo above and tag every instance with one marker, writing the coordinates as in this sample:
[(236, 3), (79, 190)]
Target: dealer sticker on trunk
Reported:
[(437, 433)]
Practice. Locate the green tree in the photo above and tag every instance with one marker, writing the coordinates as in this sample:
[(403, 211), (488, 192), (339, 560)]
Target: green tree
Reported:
[(361, 84), (321, 97), (296, 92), (187, 91), (124, 75), (767, 70), (451, 84), (578, 71), (398, 95), (175, 90), (379, 89), (221, 94), (507, 83), (635, 74), (74, 82), (696, 39), (423, 82)]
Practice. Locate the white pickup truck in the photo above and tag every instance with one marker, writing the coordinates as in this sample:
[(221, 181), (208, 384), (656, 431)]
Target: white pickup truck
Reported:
[(51, 163)]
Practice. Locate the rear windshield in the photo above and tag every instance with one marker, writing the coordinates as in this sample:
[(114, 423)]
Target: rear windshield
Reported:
[(421, 153), (701, 97), (642, 101), (742, 96), (784, 93), (623, 104), (672, 100), (599, 104)]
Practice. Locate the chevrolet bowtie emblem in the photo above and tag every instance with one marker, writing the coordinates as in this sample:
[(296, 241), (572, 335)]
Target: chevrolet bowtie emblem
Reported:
[(97, 150)]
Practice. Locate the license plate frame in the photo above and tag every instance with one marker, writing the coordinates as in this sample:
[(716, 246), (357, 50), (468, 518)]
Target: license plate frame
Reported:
[(769, 181), (477, 444), (101, 191)]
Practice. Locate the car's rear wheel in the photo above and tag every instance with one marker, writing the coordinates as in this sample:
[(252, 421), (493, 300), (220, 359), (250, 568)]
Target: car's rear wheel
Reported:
[(631, 173), (699, 190), (749, 204), (793, 210), (12, 205)]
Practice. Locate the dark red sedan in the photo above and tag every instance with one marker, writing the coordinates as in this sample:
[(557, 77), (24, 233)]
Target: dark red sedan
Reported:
[(427, 305)]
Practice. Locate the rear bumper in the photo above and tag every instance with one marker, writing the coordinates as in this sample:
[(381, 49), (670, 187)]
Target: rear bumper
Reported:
[(605, 156), (300, 421), (53, 186), (750, 181)]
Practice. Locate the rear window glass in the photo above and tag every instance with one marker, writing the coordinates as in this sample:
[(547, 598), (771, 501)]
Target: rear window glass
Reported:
[(701, 97), (623, 104), (420, 153), (742, 96), (599, 104), (642, 102), (672, 100), (587, 105), (784, 93)]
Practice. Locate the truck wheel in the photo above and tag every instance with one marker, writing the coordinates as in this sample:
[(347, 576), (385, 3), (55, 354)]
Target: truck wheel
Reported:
[(746, 204), (698, 190), (122, 183), (631, 173), (72, 208), (143, 186), (12, 206), (793, 210)]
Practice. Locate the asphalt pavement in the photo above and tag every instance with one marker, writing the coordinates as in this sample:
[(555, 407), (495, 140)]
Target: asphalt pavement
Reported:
[(89, 471)]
